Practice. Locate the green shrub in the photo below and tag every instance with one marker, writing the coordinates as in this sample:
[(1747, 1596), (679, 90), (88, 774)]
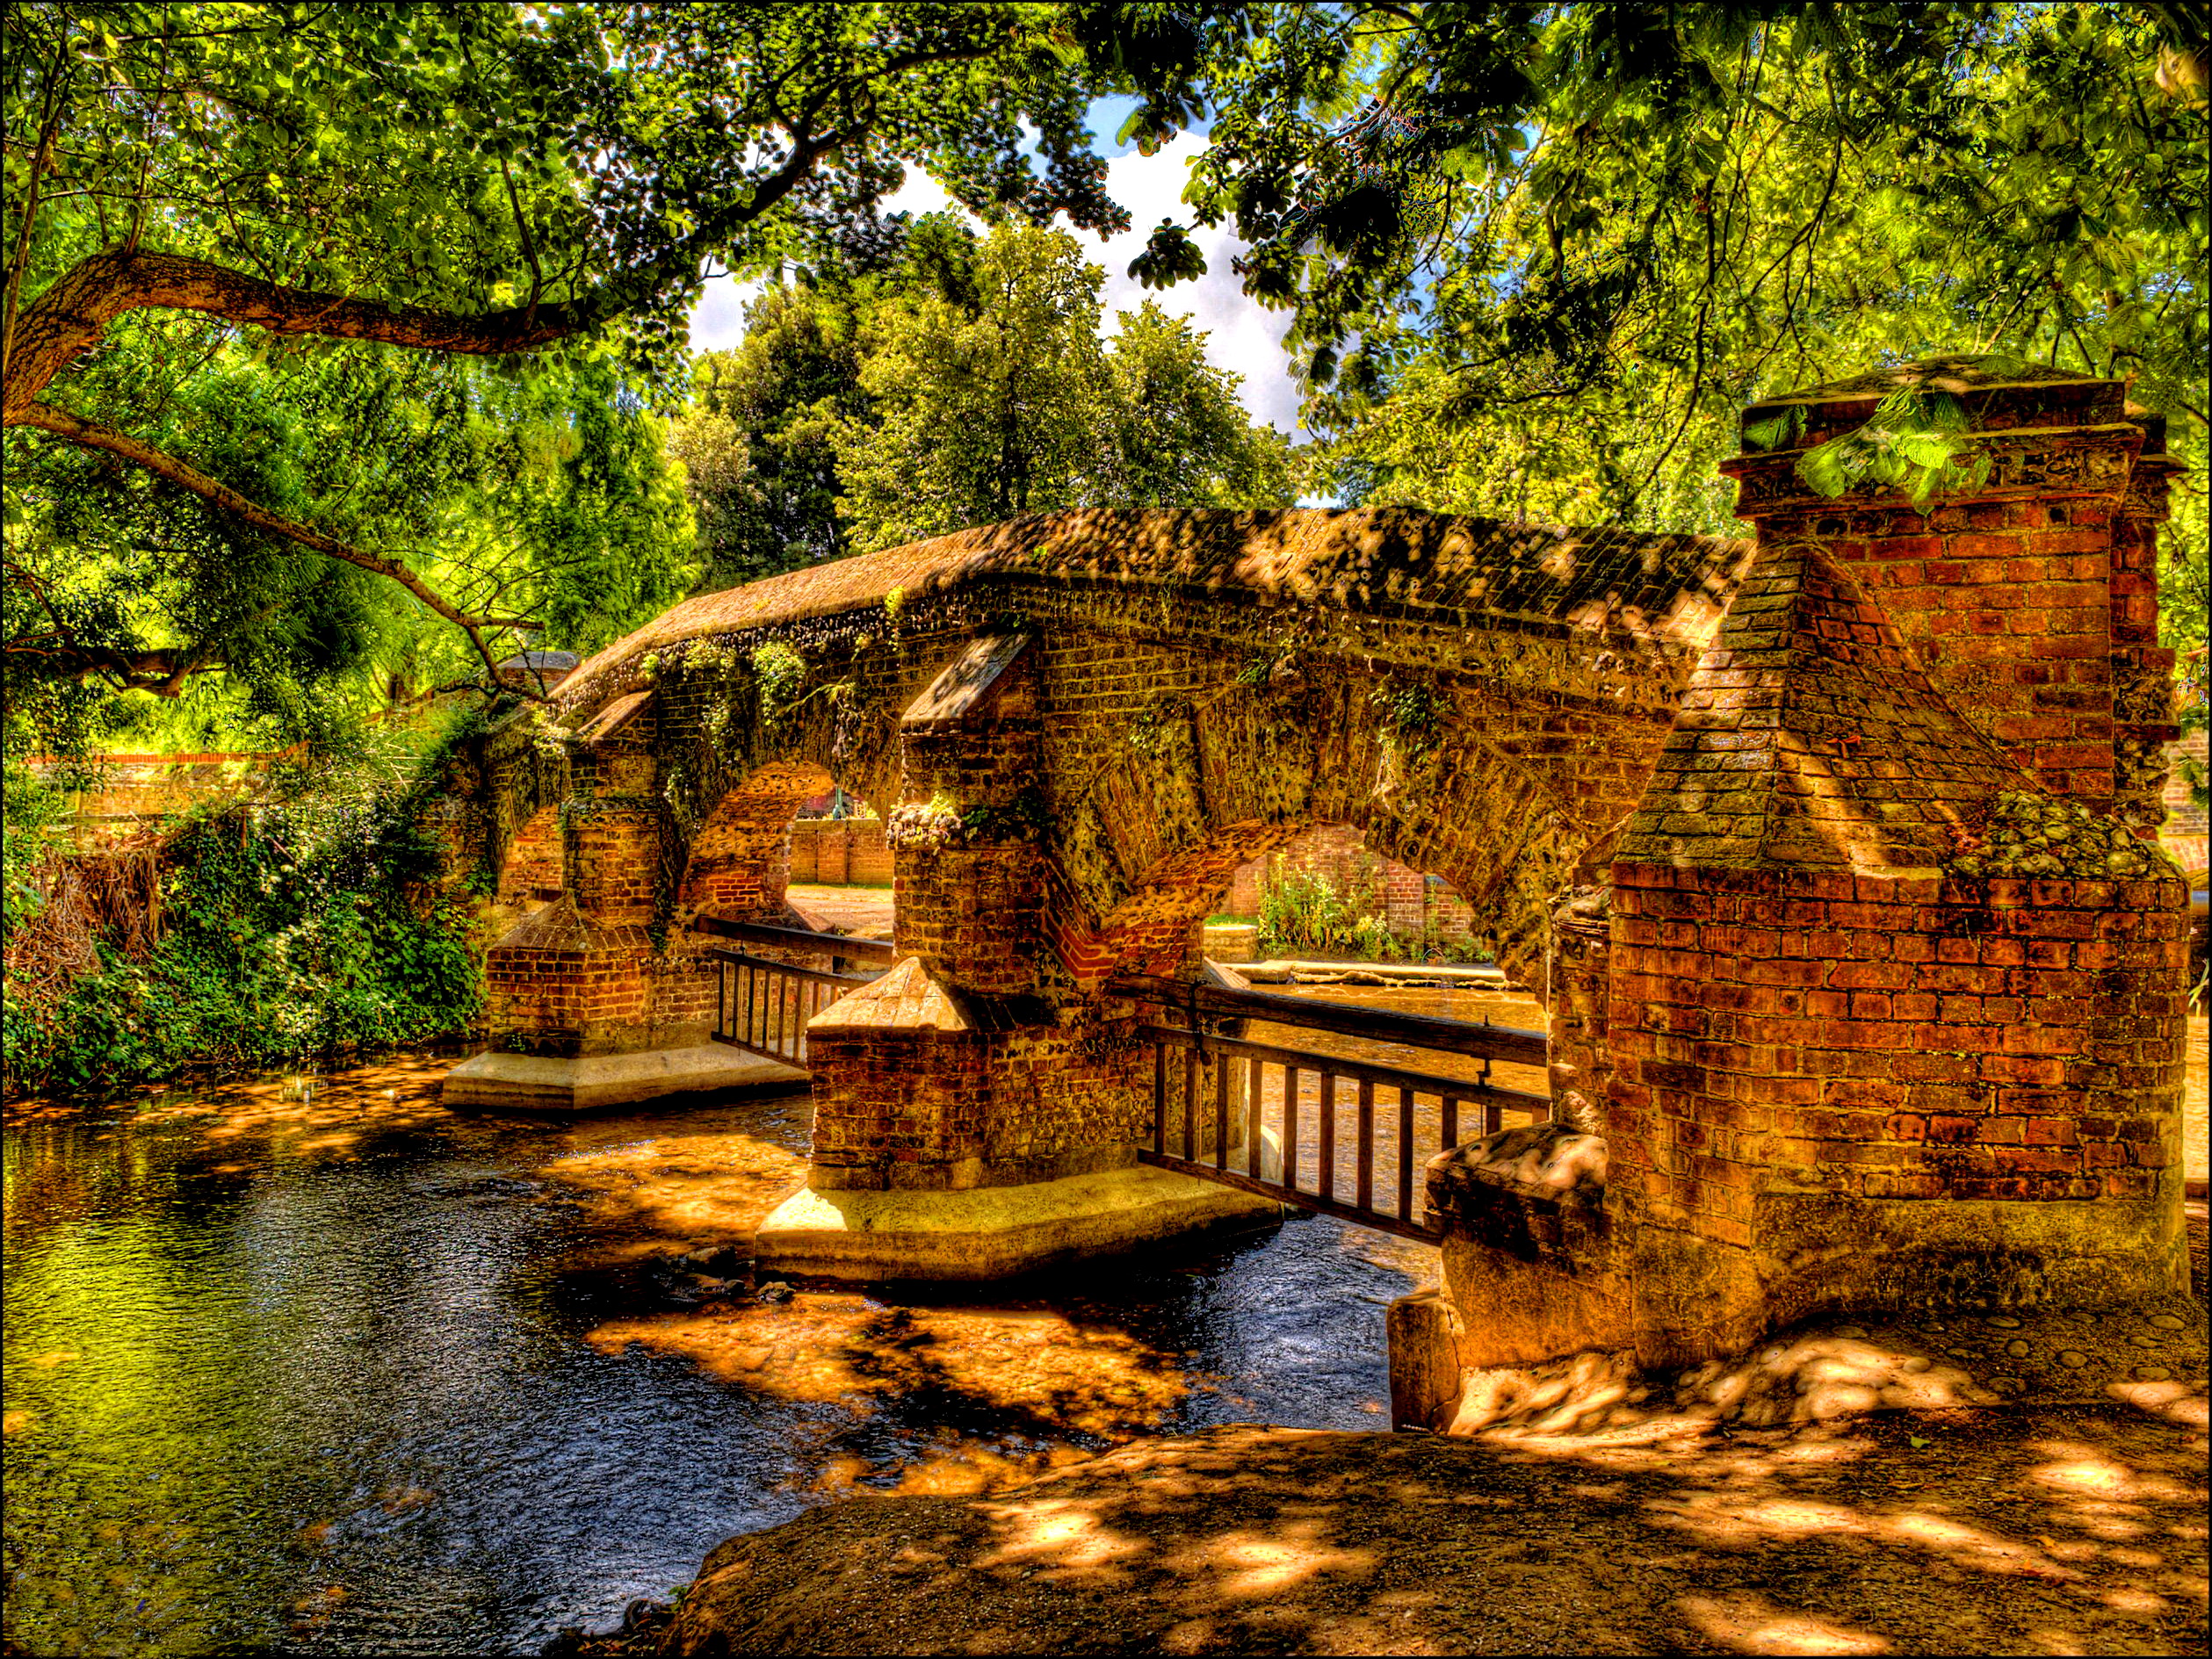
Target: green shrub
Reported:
[(313, 924)]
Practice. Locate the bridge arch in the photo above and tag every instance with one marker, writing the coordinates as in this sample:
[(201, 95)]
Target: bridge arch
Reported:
[(1510, 806)]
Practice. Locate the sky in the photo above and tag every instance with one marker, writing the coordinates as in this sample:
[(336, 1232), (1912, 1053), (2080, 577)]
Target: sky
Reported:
[(1241, 336)]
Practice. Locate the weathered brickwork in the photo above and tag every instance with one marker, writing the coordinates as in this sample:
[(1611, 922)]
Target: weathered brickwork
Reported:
[(1845, 1071), (532, 872), (1076, 729), (1891, 1037), (2033, 605), (840, 852)]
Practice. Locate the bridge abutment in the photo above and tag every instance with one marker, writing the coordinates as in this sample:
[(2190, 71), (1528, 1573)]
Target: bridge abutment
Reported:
[(589, 1000), (971, 1118), (1895, 969)]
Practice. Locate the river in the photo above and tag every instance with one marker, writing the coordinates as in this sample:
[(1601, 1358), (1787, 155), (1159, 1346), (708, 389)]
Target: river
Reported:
[(310, 1362)]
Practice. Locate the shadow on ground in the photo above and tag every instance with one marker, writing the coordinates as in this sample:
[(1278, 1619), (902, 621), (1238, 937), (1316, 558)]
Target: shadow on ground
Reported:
[(2061, 1530)]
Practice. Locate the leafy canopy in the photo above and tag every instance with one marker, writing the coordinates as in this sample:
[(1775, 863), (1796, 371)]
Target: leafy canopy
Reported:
[(963, 384), (1541, 256), (186, 184)]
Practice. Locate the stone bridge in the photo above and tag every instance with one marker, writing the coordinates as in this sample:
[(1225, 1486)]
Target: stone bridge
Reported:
[(1851, 991)]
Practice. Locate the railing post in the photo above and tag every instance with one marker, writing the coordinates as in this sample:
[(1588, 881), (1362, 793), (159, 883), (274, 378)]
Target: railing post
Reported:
[(1367, 1144), (1327, 1186), (1405, 1153)]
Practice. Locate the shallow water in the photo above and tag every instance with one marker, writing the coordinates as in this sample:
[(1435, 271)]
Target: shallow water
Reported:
[(318, 1365)]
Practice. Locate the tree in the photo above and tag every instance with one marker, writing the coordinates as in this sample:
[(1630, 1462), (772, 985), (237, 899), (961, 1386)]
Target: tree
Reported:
[(1015, 406), (470, 180), (759, 438), (1485, 218), (540, 494)]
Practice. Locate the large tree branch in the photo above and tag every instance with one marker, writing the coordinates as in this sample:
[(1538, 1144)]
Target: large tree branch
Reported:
[(70, 317), (161, 672), (93, 436)]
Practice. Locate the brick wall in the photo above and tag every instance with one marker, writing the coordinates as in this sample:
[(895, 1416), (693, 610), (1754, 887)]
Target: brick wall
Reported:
[(1830, 1002), (840, 852), (532, 871)]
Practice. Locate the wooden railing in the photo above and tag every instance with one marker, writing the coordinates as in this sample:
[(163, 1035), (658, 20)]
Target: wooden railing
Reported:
[(1352, 1145), (761, 1005)]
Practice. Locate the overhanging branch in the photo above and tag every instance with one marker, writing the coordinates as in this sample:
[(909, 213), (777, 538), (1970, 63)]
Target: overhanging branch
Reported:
[(93, 436)]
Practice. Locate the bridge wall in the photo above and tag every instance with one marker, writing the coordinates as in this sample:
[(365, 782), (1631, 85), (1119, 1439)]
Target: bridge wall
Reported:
[(1894, 972)]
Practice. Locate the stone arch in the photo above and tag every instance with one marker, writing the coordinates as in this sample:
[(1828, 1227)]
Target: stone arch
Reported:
[(739, 858), (1511, 801)]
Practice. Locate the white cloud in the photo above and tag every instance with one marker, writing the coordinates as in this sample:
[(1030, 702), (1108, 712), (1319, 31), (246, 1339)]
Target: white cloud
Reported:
[(1241, 336)]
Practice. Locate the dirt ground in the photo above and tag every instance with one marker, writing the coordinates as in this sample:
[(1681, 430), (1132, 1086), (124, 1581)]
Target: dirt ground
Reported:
[(1702, 1513), (2064, 1530)]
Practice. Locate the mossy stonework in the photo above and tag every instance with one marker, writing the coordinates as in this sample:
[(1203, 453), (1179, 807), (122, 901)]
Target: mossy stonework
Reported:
[(1075, 728), (1833, 850)]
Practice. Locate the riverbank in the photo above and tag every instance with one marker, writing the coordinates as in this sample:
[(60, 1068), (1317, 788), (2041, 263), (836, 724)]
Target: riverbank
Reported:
[(1737, 1508), (2065, 1530)]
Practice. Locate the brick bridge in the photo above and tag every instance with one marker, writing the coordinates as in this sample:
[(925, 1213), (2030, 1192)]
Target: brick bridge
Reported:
[(1826, 845)]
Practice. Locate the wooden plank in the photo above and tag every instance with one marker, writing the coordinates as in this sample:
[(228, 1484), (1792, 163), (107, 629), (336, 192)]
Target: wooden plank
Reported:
[(1327, 1183), (1450, 1115), (1221, 1111), (1290, 1125), (1404, 1149), (815, 975), (1365, 1198), (1301, 1200), (1190, 1104), (1480, 1039), (1255, 1120), (1159, 1097)]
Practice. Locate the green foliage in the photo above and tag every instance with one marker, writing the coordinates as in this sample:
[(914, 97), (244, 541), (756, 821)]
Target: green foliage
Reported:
[(539, 492), (1302, 911), (245, 246), (1012, 406), (1536, 259), (309, 924), (959, 380), (779, 671), (1911, 442)]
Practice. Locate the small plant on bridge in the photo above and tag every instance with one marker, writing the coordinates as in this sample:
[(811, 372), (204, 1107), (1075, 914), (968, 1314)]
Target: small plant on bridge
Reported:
[(778, 670)]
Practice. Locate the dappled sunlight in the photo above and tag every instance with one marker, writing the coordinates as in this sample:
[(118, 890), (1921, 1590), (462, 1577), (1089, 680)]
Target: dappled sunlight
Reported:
[(1058, 1539), (1024, 1365), (1748, 1622), (1246, 1566), (1956, 1531), (698, 1188), (303, 1114)]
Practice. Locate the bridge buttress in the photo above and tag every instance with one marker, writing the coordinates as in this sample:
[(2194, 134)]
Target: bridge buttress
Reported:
[(1895, 969)]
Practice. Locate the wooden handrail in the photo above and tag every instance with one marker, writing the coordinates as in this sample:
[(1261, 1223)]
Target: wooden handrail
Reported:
[(760, 933), (1449, 1036), (1475, 1089), (812, 975)]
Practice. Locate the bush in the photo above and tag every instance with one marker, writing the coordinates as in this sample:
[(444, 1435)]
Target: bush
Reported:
[(311, 924)]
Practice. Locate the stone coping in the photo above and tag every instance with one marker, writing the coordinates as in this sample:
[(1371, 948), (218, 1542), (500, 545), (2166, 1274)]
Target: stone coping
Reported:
[(996, 1232)]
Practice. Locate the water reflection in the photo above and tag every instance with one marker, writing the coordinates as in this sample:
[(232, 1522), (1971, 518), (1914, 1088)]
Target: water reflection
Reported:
[(325, 1367)]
